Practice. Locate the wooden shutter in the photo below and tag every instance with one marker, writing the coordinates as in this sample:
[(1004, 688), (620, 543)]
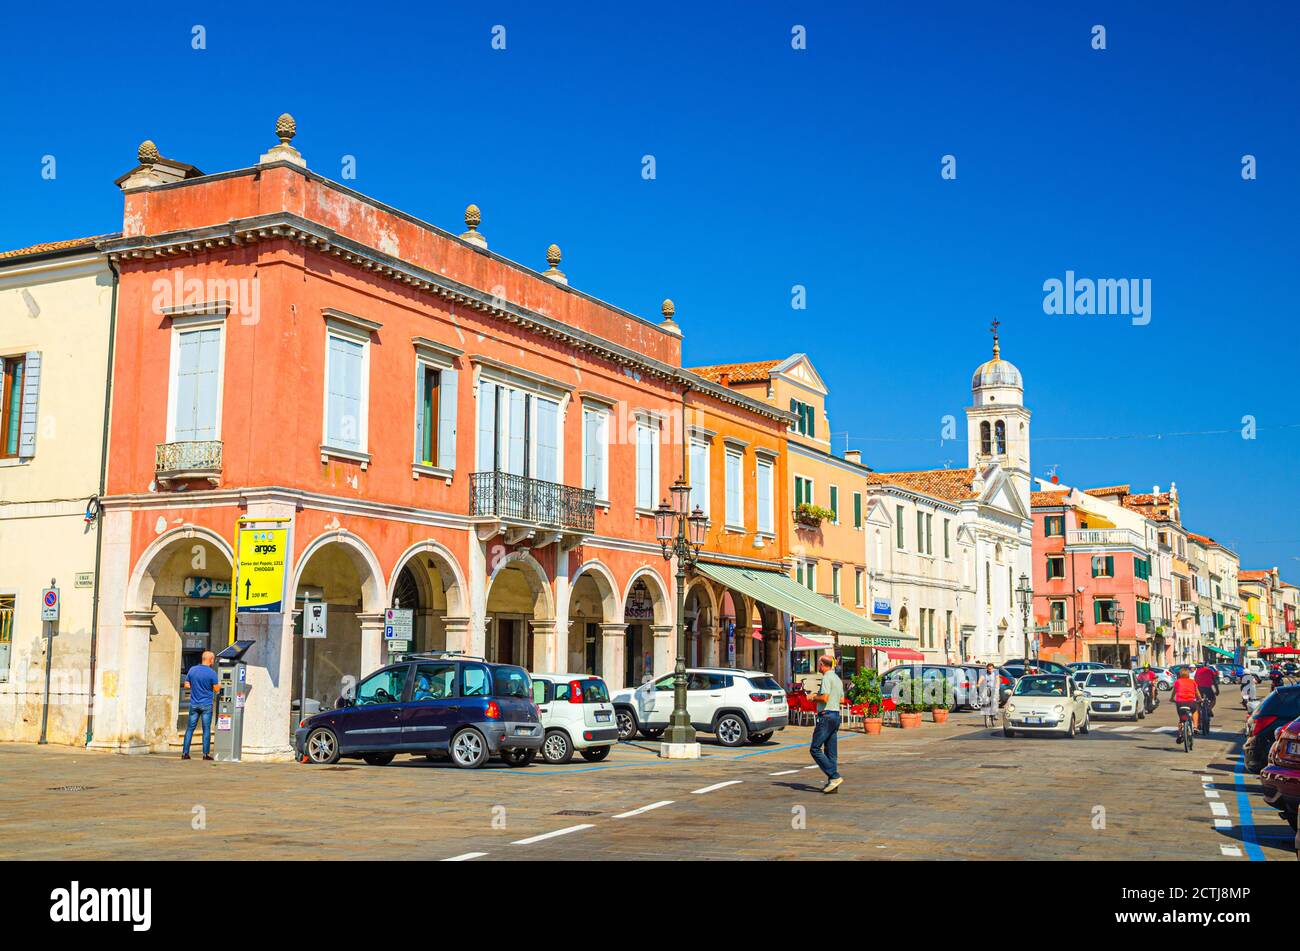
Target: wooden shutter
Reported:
[(31, 392), (448, 402)]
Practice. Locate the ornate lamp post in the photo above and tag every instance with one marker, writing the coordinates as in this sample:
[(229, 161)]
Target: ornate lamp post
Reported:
[(681, 534), (1026, 595), (1119, 619)]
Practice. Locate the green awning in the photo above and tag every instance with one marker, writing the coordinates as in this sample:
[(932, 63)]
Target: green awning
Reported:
[(785, 594), (1217, 650)]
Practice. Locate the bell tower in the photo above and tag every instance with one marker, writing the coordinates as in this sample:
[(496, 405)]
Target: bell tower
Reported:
[(997, 424)]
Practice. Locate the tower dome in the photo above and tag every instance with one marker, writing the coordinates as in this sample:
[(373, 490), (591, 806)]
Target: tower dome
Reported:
[(997, 372)]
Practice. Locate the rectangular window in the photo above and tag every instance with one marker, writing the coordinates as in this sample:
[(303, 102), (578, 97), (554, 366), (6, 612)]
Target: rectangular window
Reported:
[(195, 385), (427, 408), (810, 576), (6, 634), (595, 453), (548, 440), (763, 496), (1103, 566), (735, 488), (947, 551), (1103, 611), (647, 464), (803, 491), (1055, 525), (1055, 567), (929, 533), (835, 583), (489, 412), (1056, 610), (857, 587), (345, 395), (920, 533), (857, 509), (835, 505), (805, 423), (12, 370), (898, 526)]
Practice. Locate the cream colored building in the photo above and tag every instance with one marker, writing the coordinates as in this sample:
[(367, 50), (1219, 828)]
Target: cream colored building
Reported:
[(56, 304)]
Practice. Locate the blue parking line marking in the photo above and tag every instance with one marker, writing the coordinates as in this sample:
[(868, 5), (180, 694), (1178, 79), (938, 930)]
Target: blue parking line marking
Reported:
[(1253, 851), (774, 749)]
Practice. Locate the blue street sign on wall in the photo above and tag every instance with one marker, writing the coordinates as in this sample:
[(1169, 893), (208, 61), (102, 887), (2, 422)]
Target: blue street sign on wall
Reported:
[(880, 606)]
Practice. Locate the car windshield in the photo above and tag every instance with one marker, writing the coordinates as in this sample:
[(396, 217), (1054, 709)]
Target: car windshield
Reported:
[(1040, 686), (764, 683), (1109, 680), (511, 682)]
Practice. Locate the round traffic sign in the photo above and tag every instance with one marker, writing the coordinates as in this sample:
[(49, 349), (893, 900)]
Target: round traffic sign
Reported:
[(51, 598)]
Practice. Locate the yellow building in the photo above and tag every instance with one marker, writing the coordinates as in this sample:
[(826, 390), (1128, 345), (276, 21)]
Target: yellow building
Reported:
[(56, 304)]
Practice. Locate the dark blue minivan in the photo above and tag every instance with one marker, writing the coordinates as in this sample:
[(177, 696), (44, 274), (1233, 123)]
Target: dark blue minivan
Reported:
[(432, 704)]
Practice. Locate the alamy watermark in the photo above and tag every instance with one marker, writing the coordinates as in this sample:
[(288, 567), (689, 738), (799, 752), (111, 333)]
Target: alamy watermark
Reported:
[(1105, 296)]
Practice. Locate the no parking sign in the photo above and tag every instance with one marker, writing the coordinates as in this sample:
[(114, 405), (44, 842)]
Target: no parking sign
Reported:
[(50, 604)]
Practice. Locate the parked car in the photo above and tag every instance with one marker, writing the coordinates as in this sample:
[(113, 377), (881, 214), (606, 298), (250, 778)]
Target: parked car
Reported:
[(734, 705), (1088, 665), (1044, 666), (1281, 777), (1045, 703), (1228, 673), (1164, 678), (1276, 710), (576, 716), (962, 678), (431, 704), (1113, 693)]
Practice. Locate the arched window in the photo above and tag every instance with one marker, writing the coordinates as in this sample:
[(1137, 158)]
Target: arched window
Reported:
[(986, 443), (902, 619), (1000, 430)]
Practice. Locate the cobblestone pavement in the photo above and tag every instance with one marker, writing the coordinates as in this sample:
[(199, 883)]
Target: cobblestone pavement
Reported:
[(950, 791)]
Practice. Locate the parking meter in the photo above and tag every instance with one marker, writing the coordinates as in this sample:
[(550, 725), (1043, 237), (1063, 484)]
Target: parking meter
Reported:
[(232, 676)]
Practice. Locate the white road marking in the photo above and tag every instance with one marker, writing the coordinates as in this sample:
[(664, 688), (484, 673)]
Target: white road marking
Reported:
[(784, 772), (637, 812), (1164, 729), (551, 835), (1211, 794), (1207, 779), (706, 789), (465, 857), (1218, 808), (1229, 850), (813, 766), (1126, 729), (1223, 823)]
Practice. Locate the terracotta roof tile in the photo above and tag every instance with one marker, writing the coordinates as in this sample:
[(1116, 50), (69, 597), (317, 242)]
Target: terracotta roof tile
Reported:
[(754, 371), (1202, 539), (953, 485), (48, 246), (1109, 490), (1050, 498), (1252, 575)]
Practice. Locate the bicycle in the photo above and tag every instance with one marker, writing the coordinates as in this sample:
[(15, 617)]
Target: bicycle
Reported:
[(1185, 728), (1205, 707)]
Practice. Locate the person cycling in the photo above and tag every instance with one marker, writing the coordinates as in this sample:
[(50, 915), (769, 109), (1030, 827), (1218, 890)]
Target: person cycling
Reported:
[(1148, 681), (1185, 695), (1207, 681)]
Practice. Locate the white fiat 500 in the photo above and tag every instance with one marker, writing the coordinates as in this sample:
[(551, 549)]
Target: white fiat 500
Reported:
[(1045, 703), (576, 715), (1114, 693)]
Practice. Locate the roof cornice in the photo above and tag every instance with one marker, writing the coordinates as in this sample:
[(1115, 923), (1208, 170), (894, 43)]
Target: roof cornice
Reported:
[(286, 226)]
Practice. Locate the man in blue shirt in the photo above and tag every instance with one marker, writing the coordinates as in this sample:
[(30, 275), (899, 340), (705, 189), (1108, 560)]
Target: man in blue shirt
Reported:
[(200, 680)]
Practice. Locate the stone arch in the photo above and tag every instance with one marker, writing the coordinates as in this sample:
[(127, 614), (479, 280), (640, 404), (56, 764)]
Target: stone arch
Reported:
[(370, 575), (154, 558), (535, 575), (606, 586), (454, 588), (663, 613)]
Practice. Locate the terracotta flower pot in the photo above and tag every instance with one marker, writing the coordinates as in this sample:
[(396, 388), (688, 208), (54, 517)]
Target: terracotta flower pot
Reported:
[(909, 721), (940, 714), (871, 724)]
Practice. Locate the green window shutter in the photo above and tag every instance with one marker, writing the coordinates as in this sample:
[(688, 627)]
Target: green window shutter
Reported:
[(812, 421), (1096, 611), (835, 502), (857, 509), (1110, 566)]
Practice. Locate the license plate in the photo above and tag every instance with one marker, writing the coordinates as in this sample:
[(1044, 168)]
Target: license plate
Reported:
[(1033, 719), (602, 716), (1107, 706), (523, 731), (1293, 747)]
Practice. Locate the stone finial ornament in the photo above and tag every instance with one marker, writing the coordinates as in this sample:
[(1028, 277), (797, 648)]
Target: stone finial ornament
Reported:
[(668, 325), (147, 153), (286, 128), (472, 219), (553, 259)]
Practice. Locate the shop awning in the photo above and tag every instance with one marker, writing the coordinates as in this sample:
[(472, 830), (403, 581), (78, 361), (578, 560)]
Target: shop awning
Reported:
[(902, 653), (1217, 650), (807, 642), (1279, 651), (785, 594)]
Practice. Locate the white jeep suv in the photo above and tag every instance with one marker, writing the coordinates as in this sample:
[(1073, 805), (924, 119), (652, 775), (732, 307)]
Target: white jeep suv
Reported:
[(734, 705), (576, 715)]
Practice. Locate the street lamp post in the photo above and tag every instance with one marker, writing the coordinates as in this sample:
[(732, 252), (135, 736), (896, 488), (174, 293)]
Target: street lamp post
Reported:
[(681, 534), (1026, 594), (1119, 619)]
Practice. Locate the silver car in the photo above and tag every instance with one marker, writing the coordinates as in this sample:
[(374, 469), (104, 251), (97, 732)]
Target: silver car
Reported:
[(1114, 693)]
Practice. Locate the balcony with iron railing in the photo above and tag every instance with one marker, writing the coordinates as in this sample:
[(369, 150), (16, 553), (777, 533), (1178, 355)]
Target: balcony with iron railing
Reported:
[(1103, 538), (519, 502), (195, 459)]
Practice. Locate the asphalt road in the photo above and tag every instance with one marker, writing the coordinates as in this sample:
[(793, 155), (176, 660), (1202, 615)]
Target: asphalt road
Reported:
[(951, 791)]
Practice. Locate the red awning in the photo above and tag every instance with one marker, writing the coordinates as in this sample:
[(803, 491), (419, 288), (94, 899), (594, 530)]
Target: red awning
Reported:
[(901, 653), (1284, 651), (802, 643)]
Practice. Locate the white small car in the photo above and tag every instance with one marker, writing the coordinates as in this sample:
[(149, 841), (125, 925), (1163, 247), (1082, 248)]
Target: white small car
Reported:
[(1045, 703), (735, 705), (1114, 693), (576, 715), (1257, 667)]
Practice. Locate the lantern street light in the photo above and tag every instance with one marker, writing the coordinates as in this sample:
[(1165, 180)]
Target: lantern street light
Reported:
[(1026, 595), (681, 534), (1118, 614)]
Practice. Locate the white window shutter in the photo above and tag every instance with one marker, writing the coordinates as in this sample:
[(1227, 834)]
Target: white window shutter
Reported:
[(447, 404), (31, 391), (419, 412)]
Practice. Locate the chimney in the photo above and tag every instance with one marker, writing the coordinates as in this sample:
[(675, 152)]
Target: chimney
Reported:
[(854, 456)]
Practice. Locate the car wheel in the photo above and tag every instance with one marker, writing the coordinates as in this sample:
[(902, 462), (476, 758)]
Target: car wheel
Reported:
[(469, 749), (626, 723), (1069, 734), (1007, 731), (517, 758), (759, 738), (595, 754), (731, 730), (557, 747), (322, 747), (1164, 686), (378, 759), (652, 734), (1086, 725)]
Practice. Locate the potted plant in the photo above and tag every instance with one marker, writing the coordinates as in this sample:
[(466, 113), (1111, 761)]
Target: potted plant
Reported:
[(911, 702), (864, 690), (939, 699), (811, 516)]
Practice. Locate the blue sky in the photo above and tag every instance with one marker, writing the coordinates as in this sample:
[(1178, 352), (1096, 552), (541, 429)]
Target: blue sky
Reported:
[(777, 167)]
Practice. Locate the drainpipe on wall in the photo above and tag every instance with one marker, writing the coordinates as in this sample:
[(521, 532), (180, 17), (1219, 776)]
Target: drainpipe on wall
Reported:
[(99, 514)]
